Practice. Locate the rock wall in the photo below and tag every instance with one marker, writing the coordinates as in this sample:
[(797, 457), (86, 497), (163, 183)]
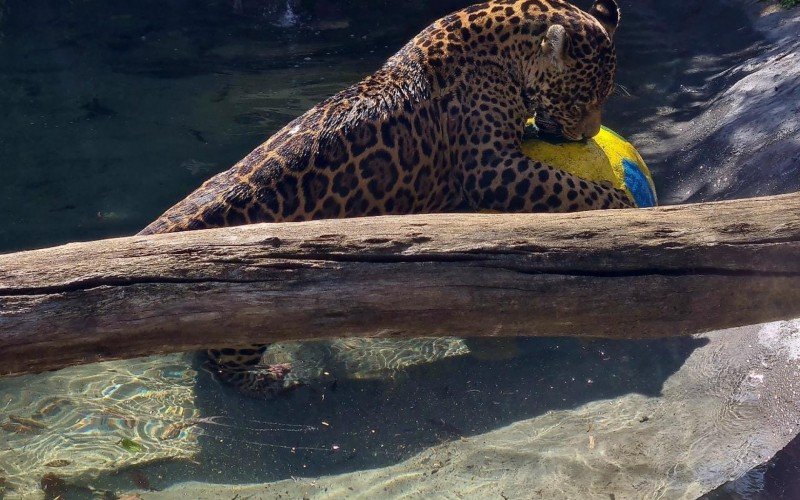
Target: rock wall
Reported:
[(743, 140)]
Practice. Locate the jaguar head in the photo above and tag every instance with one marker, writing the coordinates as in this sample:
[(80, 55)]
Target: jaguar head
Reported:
[(574, 74)]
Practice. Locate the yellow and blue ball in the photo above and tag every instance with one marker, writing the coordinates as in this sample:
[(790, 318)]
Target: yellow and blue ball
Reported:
[(605, 157)]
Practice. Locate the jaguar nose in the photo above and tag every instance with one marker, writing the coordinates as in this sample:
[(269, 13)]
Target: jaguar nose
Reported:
[(589, 133), (591, 126)]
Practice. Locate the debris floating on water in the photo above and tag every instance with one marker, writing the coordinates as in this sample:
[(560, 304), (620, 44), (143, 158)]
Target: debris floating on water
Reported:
[(53, 486), (141, 480), (29, 422), (58, 463), (130, 445)]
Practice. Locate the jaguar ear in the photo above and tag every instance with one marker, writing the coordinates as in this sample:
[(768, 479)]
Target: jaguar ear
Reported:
[(554, 45), (607, 12)]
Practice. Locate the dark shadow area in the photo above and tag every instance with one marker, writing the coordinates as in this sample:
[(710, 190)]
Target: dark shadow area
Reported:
[(348, 425), (777, 479)]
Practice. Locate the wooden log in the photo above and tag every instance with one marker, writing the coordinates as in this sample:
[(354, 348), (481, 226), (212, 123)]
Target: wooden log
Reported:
[(615, 274)]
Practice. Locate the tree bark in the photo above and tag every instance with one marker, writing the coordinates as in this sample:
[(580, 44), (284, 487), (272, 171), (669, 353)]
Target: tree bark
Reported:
[(629, 274)]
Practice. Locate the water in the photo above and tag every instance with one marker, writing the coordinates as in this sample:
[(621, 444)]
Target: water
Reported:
[(113, 111)]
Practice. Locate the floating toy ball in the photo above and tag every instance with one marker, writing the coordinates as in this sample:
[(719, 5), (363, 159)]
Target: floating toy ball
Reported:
[(604, 157)]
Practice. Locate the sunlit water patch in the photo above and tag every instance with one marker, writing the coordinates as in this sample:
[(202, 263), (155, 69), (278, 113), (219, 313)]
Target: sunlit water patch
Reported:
[(81, 422)]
